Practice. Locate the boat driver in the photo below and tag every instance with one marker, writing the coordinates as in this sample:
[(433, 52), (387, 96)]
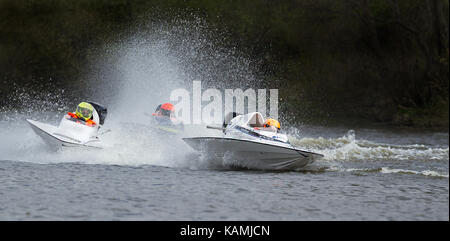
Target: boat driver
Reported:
[(271, 125), (165, 110), (84, 113), (165, 116)]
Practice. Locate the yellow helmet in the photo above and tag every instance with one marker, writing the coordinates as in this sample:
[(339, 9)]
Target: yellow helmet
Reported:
[(84, 111), (272, 122)]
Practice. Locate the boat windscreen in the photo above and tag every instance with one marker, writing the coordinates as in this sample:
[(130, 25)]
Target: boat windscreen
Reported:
[(255, 120)]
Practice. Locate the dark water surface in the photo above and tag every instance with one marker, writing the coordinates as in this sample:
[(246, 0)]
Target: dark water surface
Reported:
[(103, 192)]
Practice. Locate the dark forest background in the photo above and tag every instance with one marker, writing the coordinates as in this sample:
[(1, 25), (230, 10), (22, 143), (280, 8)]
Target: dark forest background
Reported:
[(383, 61)]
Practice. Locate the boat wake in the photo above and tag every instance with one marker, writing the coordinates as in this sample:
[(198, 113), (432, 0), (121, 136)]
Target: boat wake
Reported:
[(348, 148), (387, 170), (344, 153)]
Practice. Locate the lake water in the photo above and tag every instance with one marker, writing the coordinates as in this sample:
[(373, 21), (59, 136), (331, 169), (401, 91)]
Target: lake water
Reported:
[(366, 174)]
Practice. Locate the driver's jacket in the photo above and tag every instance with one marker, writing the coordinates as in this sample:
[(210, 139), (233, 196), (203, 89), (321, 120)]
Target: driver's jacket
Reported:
[(73, 117)]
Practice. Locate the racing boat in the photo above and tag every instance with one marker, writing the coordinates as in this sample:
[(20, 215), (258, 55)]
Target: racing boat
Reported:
[(246, 143), (70, 133)]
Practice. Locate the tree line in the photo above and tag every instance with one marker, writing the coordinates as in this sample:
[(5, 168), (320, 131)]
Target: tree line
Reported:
[(378, 60)]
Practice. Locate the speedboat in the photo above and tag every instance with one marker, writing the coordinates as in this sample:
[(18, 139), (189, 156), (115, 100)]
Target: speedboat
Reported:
[(159, 126), (70, 133), (246, 143)]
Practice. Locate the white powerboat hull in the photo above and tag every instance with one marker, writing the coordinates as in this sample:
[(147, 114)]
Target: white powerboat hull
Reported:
[(252, 154), (57, 140)]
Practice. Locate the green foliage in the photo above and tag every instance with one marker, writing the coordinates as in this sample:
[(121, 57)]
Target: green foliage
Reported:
[(383, 60)]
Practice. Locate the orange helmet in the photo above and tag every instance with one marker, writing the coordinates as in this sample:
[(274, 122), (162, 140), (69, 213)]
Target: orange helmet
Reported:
[(167, 106), (272, 122), (165, 109)]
